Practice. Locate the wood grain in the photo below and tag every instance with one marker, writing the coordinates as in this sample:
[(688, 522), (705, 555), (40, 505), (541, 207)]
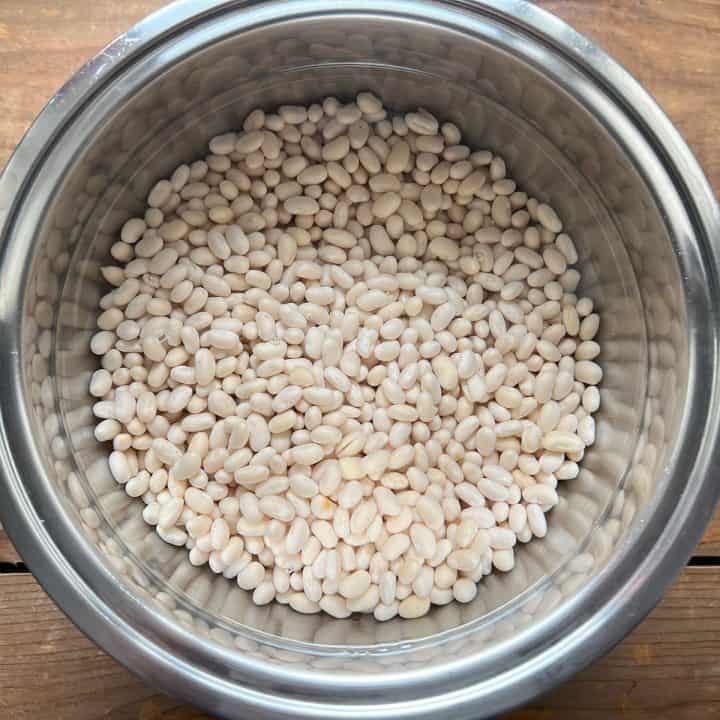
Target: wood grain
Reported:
[(43, 42), (637, 34), (48, 669), (8, 554), (672, 47), (710, 544), (668, 668)]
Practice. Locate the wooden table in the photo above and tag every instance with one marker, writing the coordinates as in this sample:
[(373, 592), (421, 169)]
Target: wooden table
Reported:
[(668, 668)]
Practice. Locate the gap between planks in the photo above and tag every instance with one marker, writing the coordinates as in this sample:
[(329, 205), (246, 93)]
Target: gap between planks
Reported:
[(667, 667), (709, 546)]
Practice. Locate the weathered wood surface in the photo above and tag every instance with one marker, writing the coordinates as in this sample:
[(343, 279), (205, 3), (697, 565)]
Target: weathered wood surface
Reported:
[(668, 668)]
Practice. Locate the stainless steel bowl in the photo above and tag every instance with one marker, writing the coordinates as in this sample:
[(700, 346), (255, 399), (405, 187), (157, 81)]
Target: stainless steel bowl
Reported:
[(578, 132)]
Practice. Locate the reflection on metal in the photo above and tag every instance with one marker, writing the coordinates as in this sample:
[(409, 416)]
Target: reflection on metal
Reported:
[(577, 132)]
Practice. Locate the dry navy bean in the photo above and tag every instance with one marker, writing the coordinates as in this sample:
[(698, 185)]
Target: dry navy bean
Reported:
[(343, 361)]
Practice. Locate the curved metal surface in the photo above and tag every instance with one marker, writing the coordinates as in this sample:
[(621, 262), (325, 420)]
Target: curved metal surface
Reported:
[(529, 663)]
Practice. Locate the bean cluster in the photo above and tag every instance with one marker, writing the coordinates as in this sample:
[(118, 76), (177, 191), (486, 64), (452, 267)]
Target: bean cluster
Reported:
[(344, 362)]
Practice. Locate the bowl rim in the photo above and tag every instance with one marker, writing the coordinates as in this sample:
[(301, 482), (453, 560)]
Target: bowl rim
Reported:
[(147, 643)]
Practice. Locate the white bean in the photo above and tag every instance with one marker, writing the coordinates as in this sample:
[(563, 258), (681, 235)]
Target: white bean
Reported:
[(343, 360)]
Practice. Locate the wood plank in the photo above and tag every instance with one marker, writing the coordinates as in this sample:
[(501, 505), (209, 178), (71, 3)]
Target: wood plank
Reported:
[(43, 42), (636, 34), (48, 669), (668, 668), (8, 554), (673, 49), (710, 544)]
